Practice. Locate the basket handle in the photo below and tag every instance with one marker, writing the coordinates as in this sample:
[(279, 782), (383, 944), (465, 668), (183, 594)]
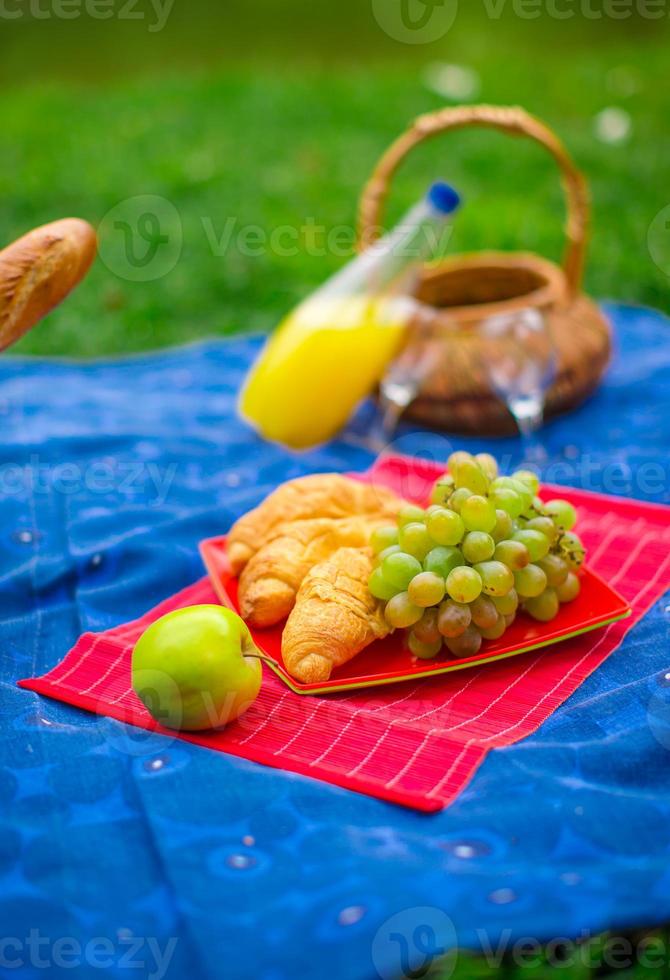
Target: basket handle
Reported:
[(512, 120)]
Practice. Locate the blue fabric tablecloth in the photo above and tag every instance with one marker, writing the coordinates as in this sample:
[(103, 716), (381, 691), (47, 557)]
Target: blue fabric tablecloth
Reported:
[(120, 848)]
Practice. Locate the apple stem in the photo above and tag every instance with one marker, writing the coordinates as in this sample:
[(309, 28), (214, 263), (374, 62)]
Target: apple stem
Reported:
[(261, 656)]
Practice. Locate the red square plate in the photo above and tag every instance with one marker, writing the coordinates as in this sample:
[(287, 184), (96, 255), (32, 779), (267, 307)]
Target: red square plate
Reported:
[(388, 661)]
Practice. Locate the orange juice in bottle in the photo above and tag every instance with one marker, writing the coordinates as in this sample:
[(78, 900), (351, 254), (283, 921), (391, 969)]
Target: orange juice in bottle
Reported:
[(332, 350)]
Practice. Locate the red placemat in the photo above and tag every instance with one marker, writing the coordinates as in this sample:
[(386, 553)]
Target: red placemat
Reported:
[(417, 744)]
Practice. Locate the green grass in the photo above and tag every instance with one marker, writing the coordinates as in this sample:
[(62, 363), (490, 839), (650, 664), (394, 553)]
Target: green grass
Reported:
[(260, 143), (632, 955)]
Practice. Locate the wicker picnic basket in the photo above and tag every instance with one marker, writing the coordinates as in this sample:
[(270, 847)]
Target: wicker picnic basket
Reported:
[(464, 291)]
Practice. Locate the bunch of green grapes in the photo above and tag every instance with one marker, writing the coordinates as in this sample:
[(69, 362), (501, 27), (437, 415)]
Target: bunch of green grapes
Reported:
[(486, 547)]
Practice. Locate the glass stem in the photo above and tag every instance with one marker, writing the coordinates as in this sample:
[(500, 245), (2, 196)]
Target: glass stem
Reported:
[(529, 415), (394, 397)]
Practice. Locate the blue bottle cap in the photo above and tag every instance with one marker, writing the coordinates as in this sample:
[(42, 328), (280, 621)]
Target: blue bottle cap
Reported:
[(443, 197)]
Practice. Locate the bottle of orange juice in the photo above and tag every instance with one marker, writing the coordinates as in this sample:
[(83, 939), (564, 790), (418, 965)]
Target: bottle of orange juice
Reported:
[(332, 350)]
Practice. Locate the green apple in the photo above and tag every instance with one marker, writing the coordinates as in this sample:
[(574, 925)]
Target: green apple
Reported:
[(196, 668)]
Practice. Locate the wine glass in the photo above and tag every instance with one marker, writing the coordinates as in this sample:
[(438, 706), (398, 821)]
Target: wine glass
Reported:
[(401, 383), (521, 363)]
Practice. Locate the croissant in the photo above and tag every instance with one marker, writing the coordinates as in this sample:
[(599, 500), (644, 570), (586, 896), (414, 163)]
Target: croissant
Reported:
[(319, 495), (271, 578), (334, 617)]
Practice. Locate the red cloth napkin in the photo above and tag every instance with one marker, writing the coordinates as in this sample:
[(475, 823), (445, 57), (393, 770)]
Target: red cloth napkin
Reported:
[(417, 744)]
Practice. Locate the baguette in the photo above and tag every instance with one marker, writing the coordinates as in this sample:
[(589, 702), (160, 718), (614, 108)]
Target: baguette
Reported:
[(39, 270)]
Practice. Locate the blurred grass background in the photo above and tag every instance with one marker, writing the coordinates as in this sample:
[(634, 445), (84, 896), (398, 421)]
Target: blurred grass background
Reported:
[(272, 114)]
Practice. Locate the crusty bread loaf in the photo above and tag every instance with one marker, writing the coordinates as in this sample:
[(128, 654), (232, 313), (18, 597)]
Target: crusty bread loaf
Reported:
[(39, 270)]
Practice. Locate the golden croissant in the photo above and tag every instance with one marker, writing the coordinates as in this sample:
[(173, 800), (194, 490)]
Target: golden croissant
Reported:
[(271, 578), (334, 617), (321, 495)]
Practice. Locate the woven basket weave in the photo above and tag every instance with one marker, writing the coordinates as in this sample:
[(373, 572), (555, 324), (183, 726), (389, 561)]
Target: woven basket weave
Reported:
[(463, 291)]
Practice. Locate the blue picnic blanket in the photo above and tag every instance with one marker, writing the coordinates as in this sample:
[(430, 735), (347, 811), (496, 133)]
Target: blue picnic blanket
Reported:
[(121, 849)]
